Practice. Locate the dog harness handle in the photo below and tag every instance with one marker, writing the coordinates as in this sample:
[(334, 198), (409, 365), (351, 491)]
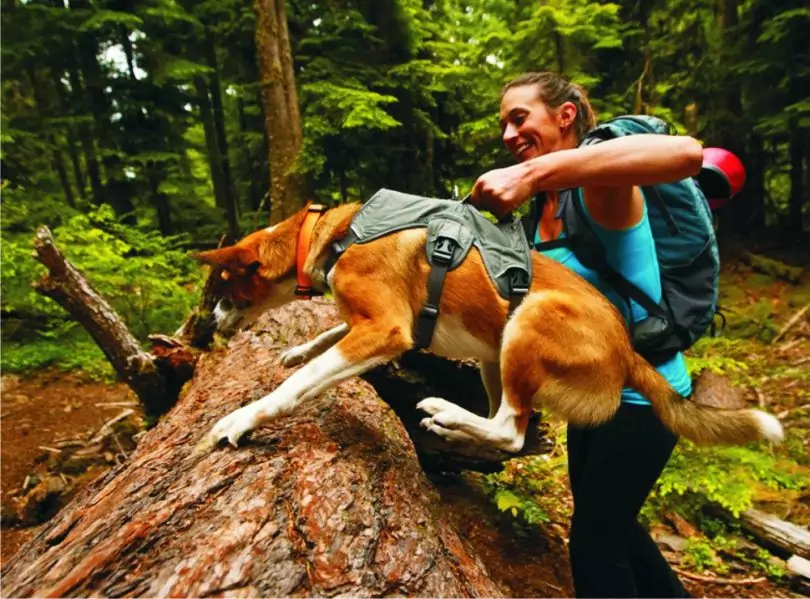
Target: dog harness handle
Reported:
[(304, 288)]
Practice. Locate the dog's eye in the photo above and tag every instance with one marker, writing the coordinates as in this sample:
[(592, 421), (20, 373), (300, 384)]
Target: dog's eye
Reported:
[(225, 275)]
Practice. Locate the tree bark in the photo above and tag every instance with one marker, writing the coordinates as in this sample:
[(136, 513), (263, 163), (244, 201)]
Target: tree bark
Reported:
[(211, 145), (70, 135), (43, 111), (87, 141), (327, 501), (783, 537), (68, 287), (797, 193), (282, 118), (154, 175), (778, 536), (218, 113)]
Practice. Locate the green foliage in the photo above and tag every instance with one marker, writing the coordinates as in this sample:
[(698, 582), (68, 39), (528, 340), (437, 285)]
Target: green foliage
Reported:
[(520, 507), (700, 555), (530, 490), (111, 18), (146, 277), (720, 355), (70, 351), (727, 476)]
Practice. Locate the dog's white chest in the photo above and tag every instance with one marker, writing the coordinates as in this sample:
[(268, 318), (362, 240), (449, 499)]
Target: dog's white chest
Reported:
[(452, 340)]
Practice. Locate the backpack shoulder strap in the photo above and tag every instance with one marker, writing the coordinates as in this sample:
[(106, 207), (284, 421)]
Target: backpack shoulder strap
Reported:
[(590, 251), (532, 217)]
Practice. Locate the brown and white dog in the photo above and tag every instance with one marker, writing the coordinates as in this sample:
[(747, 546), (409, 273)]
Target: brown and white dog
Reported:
[(566, 347)]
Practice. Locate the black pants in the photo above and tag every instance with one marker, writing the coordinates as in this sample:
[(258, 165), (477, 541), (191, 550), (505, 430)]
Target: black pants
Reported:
[(612, 469)]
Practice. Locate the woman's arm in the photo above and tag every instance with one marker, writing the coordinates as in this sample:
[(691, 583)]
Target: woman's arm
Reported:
[(607, 171)]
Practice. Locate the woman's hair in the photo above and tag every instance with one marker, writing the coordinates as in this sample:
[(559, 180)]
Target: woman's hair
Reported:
[(554, 90)]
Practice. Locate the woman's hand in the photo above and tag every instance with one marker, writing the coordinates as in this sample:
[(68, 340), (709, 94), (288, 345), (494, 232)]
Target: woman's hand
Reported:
[(502, 190)]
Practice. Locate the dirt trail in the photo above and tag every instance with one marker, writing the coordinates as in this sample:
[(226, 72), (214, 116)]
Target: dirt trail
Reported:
[(37, 412)]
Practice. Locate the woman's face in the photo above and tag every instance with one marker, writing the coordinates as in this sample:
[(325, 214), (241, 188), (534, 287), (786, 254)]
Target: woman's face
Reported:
[(528, 127)]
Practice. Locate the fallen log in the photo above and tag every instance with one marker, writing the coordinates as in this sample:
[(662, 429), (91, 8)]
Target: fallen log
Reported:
[(330, 500), (773, 268), (781, 537)]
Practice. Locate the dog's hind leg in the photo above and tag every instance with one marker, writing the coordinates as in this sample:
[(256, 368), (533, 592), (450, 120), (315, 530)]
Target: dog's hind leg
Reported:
[(366, 345), (314, 348)]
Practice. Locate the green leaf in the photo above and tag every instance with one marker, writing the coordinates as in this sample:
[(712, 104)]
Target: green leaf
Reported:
[(104, 18), (506, 500)]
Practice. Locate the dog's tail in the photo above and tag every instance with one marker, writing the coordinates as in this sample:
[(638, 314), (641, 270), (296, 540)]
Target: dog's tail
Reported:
[(701, 424)]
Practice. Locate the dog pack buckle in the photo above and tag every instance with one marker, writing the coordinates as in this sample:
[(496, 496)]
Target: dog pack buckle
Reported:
[(429, 311), (443, 251), (518, 281)]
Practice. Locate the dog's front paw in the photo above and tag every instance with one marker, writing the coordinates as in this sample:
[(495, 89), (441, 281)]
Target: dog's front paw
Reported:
[(294, 356), (232, 427), (437, 426), (434, 405)]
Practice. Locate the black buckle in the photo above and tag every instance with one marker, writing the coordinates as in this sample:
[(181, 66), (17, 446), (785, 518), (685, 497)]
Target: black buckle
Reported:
[(443, 251), (519, 281), (429, 311)]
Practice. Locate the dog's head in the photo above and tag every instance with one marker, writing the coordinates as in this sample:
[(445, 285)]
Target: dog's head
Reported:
[(255, 275)]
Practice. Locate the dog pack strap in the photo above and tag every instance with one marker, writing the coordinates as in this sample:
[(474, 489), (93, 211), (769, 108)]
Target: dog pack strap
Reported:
[(336, 250), (518, 287), (304, 288), (441, 259)]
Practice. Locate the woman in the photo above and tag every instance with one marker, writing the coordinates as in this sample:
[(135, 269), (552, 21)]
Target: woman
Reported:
[(612, 467)]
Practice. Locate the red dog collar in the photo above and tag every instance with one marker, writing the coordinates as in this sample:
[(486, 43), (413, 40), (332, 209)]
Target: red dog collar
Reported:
[(304, 289)]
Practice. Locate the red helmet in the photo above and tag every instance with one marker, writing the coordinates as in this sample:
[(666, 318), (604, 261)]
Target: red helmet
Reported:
[(722, 176)]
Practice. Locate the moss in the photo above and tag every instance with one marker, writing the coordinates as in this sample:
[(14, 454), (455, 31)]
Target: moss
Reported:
[(774, 268)]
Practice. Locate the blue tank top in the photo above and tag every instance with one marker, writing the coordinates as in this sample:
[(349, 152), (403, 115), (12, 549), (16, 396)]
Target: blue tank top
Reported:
[(631, 252)]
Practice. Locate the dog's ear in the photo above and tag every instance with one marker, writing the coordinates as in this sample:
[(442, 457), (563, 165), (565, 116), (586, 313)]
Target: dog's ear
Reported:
[(228, 257)]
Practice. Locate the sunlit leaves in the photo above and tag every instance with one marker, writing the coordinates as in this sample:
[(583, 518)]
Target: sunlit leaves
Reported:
[(106, 18)]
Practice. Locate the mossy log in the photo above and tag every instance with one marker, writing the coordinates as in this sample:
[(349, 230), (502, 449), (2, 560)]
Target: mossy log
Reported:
[(774, 268)]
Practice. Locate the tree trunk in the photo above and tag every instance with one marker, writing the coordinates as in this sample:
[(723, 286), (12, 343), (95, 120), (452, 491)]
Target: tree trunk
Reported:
[(87, 142), (797, 193), (70, 135), (280, 107), (645, 87), (229, 188), (128, 52), (61, 170), (328, 501), (43, 112), (76, 162), (160, 200), (211, 145)]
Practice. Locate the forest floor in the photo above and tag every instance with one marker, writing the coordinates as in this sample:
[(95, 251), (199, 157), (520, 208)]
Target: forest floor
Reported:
[(46, 411)]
